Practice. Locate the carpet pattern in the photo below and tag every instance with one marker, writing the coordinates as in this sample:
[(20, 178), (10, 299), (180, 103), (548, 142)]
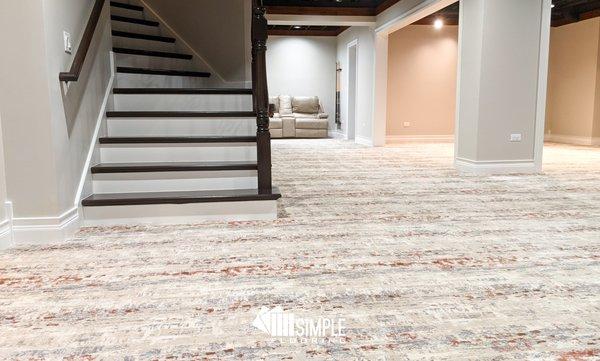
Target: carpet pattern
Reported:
[(420, 262)]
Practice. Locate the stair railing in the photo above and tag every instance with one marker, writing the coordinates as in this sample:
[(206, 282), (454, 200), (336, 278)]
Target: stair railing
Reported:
[(88, 34), (261, 96)]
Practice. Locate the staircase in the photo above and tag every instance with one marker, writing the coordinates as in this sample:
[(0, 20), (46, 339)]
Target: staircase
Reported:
[(176, 148)]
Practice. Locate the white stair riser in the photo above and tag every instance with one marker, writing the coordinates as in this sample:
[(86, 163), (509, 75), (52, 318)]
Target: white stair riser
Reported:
[(170, 127), (128, 13), (174, 181), (121, 42), (180, 213), (183, 102), (178, 153), (153, 62), (124, 80), (138, 28)]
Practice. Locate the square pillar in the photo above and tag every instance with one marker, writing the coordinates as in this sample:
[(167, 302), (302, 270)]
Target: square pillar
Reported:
[(503, 66)]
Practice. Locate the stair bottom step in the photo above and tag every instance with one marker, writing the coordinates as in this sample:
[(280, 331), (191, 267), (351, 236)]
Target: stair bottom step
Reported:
[(177, 208), (185, 197)]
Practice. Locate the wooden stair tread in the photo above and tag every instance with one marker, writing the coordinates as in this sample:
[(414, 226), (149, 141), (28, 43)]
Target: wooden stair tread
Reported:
[(158, 54), (181, 197), (175, 140), (167, 72), (129, 35), (125, 19), (207, 91), (171, 167), (126, 6), (180, 114)]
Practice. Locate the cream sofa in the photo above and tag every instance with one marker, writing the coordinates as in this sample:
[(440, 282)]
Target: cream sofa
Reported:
[(298, 117)]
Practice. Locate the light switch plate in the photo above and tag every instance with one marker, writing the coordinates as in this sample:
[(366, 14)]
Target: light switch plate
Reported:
[(517, 137), (67, 42)]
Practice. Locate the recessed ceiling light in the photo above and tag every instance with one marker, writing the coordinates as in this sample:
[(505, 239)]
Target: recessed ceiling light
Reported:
[(438, 24), (297, 27)]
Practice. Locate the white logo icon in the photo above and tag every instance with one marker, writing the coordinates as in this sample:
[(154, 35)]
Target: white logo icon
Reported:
[(278, 323), (275, 322)]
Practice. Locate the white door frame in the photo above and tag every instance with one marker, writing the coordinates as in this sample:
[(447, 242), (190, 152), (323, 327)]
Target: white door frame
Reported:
[(349, 46)]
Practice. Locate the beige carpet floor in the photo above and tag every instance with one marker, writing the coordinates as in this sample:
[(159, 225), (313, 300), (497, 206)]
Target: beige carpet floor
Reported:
[(420, 263)]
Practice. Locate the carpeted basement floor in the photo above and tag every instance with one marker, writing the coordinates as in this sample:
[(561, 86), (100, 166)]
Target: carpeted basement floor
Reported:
[(421, 263)]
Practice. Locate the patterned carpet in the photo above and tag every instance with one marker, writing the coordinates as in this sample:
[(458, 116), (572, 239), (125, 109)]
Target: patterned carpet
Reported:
[(419, 262)]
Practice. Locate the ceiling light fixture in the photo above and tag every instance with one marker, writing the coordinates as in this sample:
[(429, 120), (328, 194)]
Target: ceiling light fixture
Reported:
[(297, 27), (438, 24)]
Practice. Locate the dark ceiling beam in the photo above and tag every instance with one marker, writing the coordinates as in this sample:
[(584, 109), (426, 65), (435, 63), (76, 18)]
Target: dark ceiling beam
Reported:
[(307, 32), (328, 11), (386, 4)]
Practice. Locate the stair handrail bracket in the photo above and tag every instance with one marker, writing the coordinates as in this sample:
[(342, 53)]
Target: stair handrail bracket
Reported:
[(260, 94)]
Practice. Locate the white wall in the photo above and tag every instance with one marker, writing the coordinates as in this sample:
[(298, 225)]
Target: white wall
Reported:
[(303, 66), (47, 129), (365, 79)]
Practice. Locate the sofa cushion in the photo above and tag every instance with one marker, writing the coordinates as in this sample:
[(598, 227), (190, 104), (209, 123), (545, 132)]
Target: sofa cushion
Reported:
[(311, 133), (308, 105), (276, 133), (305, 115), (312, 124), (275, 123), (285, 104), (274, 101)]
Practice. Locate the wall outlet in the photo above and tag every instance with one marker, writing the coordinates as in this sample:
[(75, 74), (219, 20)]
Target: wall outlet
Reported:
[(67, 42), (517, 137), (406, 124)]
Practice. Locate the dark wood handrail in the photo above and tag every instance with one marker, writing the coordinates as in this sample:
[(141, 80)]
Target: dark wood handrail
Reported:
[(84, 45), (261, 96)]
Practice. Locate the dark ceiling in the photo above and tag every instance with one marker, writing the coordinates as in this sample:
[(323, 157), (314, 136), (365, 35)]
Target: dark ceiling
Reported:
[(564, 12), (325, 3)]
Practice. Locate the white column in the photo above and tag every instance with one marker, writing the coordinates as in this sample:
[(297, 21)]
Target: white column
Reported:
[(503, 65)]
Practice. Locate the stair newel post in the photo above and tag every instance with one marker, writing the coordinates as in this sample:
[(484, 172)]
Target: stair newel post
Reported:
[(261, 96)]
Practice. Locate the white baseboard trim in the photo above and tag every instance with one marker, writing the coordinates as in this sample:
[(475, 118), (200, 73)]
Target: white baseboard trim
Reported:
[(6, 231), (364, 141), (572, 139), (395, 139), (6, 235), (468, 166), (44, 230), (336, 134)]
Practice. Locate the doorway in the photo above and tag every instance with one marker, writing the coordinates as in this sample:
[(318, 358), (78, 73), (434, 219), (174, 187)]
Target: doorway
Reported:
[(352, 86)]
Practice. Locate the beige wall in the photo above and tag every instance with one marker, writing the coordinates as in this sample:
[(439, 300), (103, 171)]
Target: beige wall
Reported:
[(573, 87), (422, 72)]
